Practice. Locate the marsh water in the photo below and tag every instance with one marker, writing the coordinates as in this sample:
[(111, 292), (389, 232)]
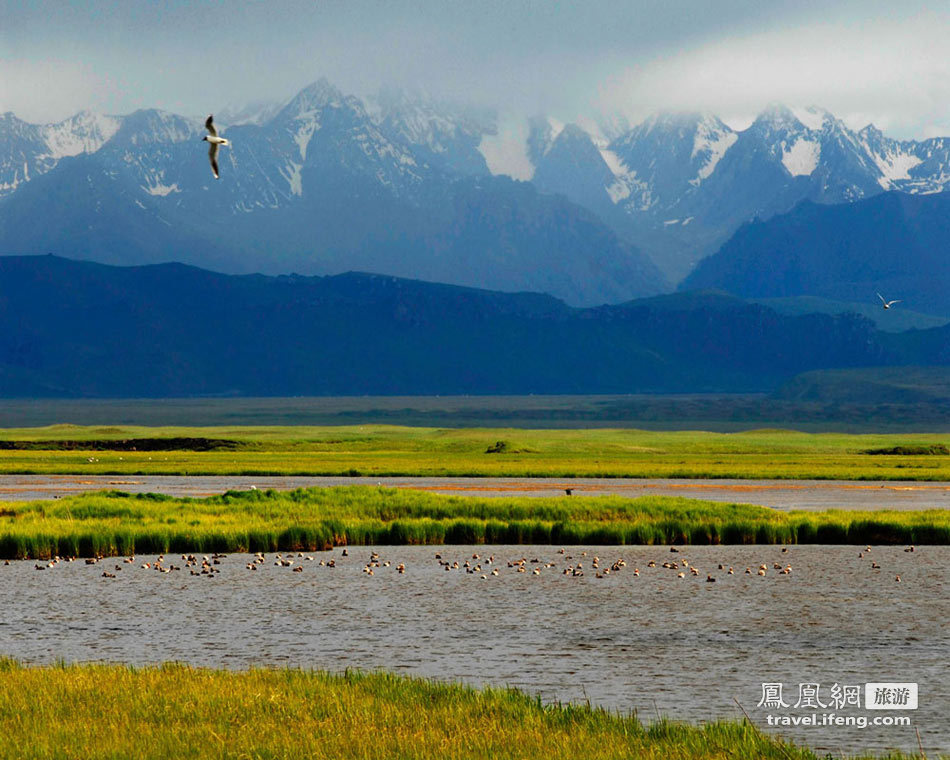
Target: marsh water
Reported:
[(655, 643), (778, 494)]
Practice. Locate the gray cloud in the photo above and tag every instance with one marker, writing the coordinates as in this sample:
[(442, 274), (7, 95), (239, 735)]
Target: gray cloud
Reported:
[(862, 60)]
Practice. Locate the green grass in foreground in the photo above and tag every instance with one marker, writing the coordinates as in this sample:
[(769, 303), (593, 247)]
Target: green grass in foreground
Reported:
[(114, 711), (377, 450), (114, 523)]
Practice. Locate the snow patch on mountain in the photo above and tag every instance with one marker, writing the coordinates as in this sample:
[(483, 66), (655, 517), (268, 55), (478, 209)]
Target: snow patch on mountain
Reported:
[(305, 133), (801, 159), (17, 180), (626, 181), (713, 142), (419, 122), (812, 117), (376, 146), (894, 165), (160, 189), (618, 191), (293, 176)]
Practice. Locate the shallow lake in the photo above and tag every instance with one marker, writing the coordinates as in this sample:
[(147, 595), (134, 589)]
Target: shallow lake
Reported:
[(779, 494), (656, 643)]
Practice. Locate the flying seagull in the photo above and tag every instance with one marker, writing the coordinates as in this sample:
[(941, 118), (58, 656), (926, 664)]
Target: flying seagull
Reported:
[(887, 304), (212, 137)]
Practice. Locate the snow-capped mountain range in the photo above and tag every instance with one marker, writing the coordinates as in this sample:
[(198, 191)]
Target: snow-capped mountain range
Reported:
[(401, 184), (30, 150), (679, 185), (327, 184)]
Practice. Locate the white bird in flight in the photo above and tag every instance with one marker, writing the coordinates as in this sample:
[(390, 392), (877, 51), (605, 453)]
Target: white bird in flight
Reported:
[(212, 137), (887, 304)]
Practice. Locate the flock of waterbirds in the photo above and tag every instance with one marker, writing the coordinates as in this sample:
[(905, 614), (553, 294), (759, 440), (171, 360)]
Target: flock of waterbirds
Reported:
[(482, 565)]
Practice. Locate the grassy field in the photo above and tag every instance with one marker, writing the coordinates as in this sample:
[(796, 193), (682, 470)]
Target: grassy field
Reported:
[(112, 524), (377, 450), (113, 711)]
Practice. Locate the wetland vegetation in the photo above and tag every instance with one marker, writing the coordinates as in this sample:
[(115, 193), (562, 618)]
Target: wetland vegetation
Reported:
[(115, 523), (107, 711), (382, 450)]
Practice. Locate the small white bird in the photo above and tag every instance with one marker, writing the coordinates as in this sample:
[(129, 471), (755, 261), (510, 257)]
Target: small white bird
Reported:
[(887, 304), (212, 137)]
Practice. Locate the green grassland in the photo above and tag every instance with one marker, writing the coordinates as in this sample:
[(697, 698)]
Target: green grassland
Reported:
[(115, 711), (115, 523), (378, 450)]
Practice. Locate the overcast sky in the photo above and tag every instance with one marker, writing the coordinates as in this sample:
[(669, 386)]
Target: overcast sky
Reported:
[(866, 61)]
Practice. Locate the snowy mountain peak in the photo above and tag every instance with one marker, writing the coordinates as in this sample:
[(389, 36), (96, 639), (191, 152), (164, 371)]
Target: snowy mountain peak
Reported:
[(442, 133), (870, 133), (392, 98), (777, 117), (813, 117), (9, 120), (257, 112), (681, 122), (153, 126), (85, 132), (677, 184), (312, 98), (711, 140), (572, 132)]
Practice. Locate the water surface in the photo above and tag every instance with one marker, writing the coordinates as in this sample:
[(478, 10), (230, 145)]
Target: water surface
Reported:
[(779, 494), (654, 643)]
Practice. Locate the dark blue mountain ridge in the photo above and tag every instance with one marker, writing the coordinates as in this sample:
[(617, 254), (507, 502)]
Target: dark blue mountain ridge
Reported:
[(80, 329), (894, 243)]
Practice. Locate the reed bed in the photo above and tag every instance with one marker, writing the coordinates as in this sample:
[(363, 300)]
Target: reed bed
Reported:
[(112, 711), (115, 523)]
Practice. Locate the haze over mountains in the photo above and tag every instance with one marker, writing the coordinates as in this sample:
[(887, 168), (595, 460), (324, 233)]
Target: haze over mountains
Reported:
[(400, 185)]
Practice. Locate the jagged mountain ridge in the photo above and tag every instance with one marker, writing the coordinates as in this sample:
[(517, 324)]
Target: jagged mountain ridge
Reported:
[(322, 187), (29, 150), (681, 184), (676, 186)]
